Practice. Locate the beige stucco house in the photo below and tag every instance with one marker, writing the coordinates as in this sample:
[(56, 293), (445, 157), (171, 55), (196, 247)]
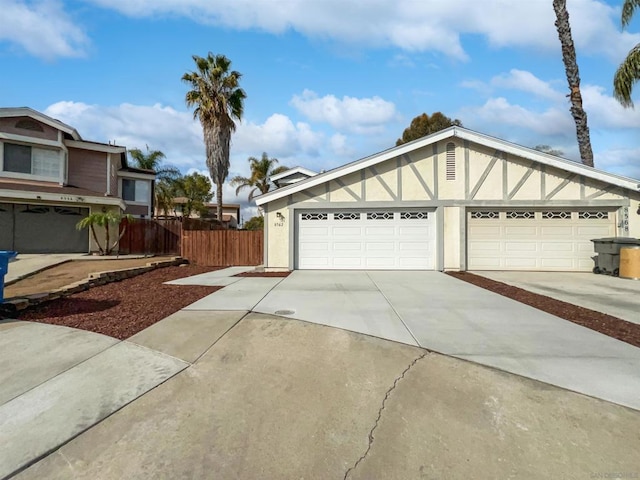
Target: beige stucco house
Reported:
[(454, 200), (50, 178)]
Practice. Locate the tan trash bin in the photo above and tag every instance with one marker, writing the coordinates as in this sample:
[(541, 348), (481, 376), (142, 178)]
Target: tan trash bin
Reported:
[(630, 263)]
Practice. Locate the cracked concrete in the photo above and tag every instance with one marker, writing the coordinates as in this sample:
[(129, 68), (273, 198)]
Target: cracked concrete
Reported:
[(277, 398), (382, 407)]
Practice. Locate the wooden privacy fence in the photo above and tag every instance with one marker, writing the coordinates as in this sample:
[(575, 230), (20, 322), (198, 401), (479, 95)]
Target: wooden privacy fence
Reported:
[(196, 241), (223, 247), (159, 237)]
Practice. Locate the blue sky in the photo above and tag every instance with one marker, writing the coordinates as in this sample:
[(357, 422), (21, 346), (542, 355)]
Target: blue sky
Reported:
[(327, 81)]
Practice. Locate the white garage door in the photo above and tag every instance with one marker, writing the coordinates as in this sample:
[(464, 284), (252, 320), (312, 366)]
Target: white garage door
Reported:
[(535, 240), (377, 239)]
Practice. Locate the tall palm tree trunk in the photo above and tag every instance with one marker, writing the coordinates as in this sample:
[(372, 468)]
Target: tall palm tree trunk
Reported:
[(573, 77)]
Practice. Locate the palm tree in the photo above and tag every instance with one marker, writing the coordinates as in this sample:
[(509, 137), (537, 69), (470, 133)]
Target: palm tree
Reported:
[(628, 72), (573, 77), (152, 160), (218, 101), (104, 220), (261, 170)]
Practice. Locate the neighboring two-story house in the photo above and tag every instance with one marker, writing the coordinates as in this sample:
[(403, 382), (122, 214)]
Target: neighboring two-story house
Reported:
[(50, 178)]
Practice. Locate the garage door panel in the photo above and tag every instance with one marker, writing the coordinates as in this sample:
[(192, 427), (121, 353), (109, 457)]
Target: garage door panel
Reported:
[(552, 240), (381, 246), (525, 247), (344, 231), (594, 231), (558, 231), (315, 246), (559, 247), (314, 231), (381, 231), (520, 231), (386, 239)]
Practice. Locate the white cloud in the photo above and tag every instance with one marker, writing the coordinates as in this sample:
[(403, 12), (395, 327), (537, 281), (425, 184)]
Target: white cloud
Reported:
[(278, 136), (604, 111), (134, 126), (498, 111), (359, 115), (407, 24), (41, 28), (526, 82)]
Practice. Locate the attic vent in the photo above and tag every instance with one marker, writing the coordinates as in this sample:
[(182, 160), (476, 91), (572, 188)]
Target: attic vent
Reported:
[(28, 124), (451, 161)]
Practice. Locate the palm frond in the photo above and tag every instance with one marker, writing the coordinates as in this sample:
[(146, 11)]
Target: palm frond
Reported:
[(626, 77), (628, 9)]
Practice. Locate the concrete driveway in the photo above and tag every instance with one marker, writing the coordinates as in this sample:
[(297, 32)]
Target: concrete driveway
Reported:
[(435, 311), (618, 297), (268, 397), (244, 395)]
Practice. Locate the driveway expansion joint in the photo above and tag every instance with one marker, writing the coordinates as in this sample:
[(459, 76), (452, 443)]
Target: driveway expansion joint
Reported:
[(388, 393)]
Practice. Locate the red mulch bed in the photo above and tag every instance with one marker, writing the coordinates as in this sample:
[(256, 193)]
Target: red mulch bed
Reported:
[(122, 309), (264, 274), (600, 322)]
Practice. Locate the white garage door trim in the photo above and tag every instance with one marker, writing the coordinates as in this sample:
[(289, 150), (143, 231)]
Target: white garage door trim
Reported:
[(530, 239), (373, 239)]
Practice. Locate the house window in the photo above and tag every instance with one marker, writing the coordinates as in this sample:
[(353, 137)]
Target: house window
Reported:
[(135, 190), (31, 161)]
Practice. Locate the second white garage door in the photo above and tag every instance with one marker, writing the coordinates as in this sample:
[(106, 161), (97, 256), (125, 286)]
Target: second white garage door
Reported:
[(528, 239), (377, 239)]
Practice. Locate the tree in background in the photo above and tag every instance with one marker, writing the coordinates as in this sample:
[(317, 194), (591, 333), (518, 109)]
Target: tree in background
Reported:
[(164, 195), (548, 149), (573, 77), (104, 220), (628, 72), (196, 189), (254, 223), (424, 125), (218, 100), (258, 181), (152, 160)]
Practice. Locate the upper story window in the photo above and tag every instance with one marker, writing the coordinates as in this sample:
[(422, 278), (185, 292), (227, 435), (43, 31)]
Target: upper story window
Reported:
[(41, 162), (135, 190)]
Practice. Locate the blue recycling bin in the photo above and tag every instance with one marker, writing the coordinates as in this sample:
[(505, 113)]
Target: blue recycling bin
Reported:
[(5, 256)]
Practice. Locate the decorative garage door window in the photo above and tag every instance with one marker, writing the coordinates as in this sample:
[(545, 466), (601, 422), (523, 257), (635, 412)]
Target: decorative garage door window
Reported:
[(560, 215), (314, 216), (593, 215), (485, 214), (379, 215), (346, 216), (76, 211), (414, 215), (521, 215)]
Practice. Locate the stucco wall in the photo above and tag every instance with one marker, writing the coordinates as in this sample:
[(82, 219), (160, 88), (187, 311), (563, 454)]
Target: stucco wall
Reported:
[(100, 232)]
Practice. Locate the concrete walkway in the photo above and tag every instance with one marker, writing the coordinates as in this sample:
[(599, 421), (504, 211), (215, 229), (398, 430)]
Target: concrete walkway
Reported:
[(614, 296), (56, 382)]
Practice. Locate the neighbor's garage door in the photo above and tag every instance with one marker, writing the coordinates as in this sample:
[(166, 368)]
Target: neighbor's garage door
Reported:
[(535, 240), (42, 229), (377, 239)]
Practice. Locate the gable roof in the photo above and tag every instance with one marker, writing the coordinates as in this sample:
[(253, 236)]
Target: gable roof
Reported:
[(453, 132), (41, 117)]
